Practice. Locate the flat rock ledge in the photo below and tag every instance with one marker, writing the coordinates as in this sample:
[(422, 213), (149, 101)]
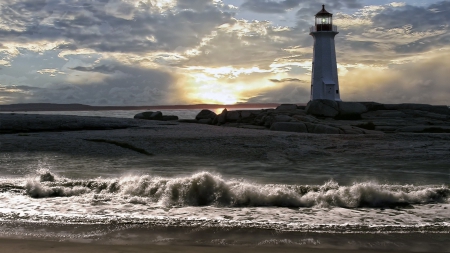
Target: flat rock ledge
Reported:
[(24, 123), (332, 117)]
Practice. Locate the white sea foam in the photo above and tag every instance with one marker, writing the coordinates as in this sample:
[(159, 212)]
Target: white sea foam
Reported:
[(205, 188)]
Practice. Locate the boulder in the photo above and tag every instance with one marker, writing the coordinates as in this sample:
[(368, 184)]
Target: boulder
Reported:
[(286, 107), (156, 115), (233, 116), (304, 118), (222, 117), (248, 116), (297, 112), (289, 127), (322, 129), (205, 114), (350, 110), (322, 107), (149, 115), (282, 118)]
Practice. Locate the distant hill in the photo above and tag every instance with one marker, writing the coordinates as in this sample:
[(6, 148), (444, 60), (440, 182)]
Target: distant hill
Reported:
[(81, 107)]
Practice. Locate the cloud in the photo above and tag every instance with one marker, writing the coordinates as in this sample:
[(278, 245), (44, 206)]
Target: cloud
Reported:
[(270, 6), (290, 93), (422, 81), (285, 80)]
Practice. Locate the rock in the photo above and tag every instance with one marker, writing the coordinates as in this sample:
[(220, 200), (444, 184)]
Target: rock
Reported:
[(205, 121), (205, 114), (156, 116), (289, 127), (352, 130), (142, 115), (286, 107), (322, 107), (393, 114), (426, 114), (282, 118), (322, 129), (304, 118), (252, 127), (425, 129), (149, 115), (350, 110), (233, 116), (441, 109), (297, 112), (372, 132), (222, 117), (248, 116), (169, 117)]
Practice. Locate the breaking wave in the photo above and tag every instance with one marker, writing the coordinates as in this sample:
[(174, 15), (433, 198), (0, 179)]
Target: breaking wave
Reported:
[(205, 188)]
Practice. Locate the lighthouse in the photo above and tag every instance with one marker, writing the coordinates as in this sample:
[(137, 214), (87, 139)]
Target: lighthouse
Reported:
[(324, 79)]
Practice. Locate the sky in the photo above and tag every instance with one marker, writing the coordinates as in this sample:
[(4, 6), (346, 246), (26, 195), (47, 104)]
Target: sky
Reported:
[(161, 52)]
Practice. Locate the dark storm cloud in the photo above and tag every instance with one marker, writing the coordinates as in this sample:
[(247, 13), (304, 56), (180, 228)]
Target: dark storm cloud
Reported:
[(121, 28)]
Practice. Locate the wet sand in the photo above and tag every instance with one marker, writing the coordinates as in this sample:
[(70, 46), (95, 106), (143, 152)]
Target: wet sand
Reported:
[(44, 246)]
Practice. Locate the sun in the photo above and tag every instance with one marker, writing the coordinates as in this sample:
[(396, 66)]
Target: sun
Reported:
[(216, 97)]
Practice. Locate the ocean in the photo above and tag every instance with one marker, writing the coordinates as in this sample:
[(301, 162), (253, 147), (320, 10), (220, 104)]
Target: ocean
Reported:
[(345, 203)]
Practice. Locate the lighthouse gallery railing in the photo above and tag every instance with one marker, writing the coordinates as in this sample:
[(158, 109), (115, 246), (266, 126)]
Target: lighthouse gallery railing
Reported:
[(322, 28)]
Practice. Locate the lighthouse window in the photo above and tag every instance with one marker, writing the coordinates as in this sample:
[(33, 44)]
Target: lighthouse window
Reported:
[(337, 91)]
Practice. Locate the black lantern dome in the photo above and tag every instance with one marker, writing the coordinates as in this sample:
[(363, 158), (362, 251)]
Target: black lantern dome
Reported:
[(324, 20)]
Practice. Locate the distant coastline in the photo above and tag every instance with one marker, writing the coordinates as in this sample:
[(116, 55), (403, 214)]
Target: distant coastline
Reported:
[(81, 107)]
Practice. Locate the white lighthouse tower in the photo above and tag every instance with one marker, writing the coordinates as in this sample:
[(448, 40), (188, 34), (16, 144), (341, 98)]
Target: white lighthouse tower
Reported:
[(324, 79)]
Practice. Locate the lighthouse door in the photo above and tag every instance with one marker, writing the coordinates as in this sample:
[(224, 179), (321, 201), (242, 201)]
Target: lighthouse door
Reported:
[(329, 89)]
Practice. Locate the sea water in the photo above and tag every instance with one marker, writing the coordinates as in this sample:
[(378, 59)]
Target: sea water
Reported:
[(196, 200)]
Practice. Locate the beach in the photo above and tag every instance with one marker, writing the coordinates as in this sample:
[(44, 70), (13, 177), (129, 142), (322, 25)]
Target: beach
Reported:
[(126, 185)]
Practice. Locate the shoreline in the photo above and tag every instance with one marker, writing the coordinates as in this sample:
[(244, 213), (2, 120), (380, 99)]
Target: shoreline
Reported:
[(168, 239), (31, 246)]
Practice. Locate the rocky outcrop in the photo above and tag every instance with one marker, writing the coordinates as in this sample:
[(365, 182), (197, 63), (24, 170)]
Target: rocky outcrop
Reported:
[(155, 116), (336, 109), (331, 117), (350, 110), (25, 123), (323, 108)]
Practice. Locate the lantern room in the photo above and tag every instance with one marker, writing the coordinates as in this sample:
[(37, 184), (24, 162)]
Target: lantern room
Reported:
[(324, 20)]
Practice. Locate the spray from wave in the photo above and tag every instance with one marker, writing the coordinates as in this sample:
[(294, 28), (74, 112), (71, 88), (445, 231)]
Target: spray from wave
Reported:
[(205, 188)]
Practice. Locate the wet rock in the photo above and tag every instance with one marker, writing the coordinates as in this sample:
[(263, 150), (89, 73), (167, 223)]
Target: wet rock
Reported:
[(150, 115)]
